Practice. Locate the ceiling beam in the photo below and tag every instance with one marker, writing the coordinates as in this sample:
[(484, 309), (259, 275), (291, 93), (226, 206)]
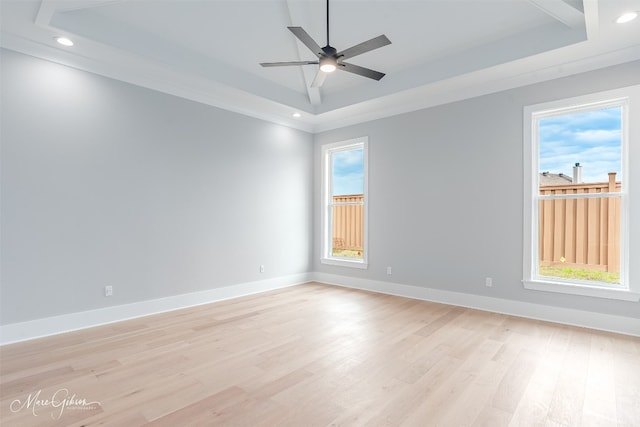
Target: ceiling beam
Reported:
[(298, 12), (591, 18), (45, 13), (561, 11)]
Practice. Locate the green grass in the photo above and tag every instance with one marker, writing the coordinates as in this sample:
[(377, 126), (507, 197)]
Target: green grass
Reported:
[(348, 253), (580, 274)]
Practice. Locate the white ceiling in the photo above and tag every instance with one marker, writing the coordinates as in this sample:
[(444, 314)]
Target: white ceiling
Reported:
[(209, 50)]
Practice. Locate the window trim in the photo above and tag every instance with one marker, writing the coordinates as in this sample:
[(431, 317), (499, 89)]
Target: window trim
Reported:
[(532, 114), (326, 225)]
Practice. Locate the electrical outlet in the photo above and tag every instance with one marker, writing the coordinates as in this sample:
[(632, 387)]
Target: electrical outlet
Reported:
[(108, 291), (488, 282), (389, 271), (262, 269)]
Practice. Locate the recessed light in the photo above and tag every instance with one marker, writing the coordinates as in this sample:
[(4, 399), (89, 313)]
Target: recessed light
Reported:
[(63, 41), (626, 17), (297, 115)]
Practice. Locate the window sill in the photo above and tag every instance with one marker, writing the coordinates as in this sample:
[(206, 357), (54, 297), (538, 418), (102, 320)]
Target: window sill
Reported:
[(344, 263), (584, 290)]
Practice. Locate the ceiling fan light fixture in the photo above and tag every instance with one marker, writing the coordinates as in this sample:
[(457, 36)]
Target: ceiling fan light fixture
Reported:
[(328, 65)]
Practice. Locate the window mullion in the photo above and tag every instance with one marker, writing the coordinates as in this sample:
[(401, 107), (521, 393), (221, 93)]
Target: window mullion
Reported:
[(578, 196)]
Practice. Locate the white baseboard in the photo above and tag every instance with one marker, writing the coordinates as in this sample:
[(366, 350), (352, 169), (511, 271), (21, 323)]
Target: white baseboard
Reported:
[(16, 332), (24, 331), (566, 316)]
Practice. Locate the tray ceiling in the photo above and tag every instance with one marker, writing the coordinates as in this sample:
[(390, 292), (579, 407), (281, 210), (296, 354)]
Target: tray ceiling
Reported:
[(442, 50)]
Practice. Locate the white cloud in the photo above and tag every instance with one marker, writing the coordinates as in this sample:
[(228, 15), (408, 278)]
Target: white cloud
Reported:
[(598, 135)]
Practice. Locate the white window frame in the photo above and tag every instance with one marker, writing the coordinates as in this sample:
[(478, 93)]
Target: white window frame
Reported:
[(327, 204), (627, 98)]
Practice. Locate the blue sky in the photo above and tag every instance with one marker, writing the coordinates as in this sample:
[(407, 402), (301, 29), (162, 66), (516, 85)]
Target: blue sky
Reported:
[(591, 138), (348, 172)]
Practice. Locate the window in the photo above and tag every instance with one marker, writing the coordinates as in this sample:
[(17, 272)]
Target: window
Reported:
[(344, 203), (576, 196)]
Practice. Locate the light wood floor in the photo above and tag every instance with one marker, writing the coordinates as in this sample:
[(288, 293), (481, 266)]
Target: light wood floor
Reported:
[(318, 355)]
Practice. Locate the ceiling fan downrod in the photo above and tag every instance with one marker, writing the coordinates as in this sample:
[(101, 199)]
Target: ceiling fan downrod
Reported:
[(328, 44)]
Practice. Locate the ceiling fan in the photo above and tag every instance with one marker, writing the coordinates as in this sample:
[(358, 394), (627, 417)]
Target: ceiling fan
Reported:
[(330, 59)]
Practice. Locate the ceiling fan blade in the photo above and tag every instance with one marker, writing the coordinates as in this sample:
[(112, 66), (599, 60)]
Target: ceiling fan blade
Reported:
[(318, 81), (306, 40), (286, 64), (364, 47), (361, 71)]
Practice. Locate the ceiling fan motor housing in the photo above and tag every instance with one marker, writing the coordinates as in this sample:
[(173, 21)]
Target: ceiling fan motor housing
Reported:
[(329, 50)]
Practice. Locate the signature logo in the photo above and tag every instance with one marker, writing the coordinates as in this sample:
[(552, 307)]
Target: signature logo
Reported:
[(61, 400)]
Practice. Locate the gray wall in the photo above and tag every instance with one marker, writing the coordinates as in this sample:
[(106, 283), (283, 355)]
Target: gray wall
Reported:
[(445, 194), (109, 183)]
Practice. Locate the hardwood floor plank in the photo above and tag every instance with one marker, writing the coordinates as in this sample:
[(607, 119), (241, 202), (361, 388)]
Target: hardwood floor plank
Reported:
[(627, 391), (600, 395), (491, 417), (515, 381), (568, 398), (211, 410), (533, 409)]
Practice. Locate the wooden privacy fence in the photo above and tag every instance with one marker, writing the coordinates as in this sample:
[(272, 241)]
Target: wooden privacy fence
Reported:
[(582, 232), (348, 222)]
